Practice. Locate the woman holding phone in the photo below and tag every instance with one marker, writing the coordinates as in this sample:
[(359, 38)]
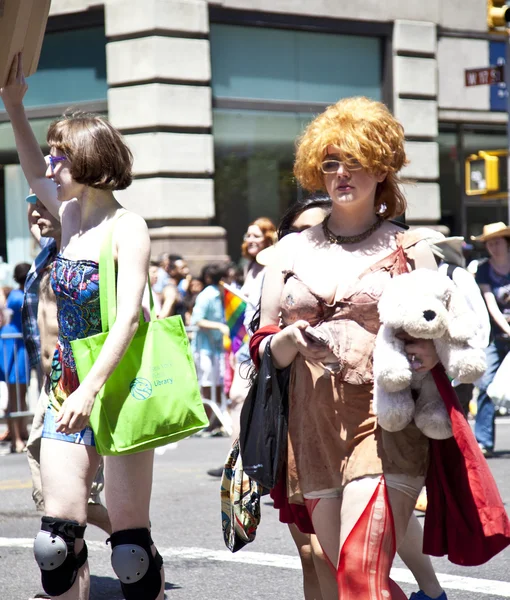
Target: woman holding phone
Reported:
[(318, 580), (88, 162), (358, 482)]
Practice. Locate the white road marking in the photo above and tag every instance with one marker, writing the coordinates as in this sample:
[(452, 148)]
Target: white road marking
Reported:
[(488, 587)]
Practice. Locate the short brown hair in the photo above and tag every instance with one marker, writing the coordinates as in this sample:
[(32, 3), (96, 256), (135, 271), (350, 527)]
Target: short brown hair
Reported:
[(269, 231), (366, 131), (99, 156)]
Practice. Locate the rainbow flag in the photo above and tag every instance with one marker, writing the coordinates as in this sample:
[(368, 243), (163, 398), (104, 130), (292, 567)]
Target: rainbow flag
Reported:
[(235, 306)]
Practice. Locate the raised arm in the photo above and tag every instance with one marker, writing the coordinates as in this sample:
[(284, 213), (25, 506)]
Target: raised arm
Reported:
[(30, 155)]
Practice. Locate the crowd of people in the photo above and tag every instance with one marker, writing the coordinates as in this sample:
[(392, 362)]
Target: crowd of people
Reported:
[(355, 483)]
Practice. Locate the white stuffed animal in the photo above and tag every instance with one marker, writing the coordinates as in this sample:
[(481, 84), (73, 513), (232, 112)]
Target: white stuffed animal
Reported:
[(425, 304)]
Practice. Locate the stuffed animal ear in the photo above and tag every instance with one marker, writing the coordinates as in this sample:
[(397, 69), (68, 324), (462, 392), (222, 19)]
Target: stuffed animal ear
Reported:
[(461, 319)]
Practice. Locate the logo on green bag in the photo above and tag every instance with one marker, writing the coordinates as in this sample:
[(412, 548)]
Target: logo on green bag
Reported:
[(140, 388)]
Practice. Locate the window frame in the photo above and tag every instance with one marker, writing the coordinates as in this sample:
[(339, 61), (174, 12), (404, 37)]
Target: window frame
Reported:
[(384, 31)]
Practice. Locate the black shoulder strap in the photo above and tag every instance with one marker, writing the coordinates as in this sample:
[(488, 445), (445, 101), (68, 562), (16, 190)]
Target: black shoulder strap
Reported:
[(399, 223), (450, 270)]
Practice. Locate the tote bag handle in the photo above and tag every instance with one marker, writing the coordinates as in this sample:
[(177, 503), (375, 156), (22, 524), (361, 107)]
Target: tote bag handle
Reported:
[(108, 282)]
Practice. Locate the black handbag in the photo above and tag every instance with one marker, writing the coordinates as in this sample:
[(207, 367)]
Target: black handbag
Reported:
[(264, 423)]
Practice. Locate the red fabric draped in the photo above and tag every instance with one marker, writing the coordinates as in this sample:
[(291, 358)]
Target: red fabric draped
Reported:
[(465, 516), (290, 513), (368, 552)]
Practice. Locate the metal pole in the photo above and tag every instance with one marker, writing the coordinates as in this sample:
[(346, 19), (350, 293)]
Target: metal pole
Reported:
[(461, 157), (507, 85)]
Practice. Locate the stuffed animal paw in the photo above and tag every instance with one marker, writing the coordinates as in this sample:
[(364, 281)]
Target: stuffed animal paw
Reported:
[(394, 410), (431, 416)]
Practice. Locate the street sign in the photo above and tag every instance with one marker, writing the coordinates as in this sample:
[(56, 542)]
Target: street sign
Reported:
[(498, 93), (485, 76)]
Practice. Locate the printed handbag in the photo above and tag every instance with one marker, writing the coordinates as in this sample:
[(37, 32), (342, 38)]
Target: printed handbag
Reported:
[(152, 398), (240, 502)]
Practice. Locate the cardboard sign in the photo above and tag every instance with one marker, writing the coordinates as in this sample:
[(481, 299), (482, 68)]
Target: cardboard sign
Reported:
[(22, 26)]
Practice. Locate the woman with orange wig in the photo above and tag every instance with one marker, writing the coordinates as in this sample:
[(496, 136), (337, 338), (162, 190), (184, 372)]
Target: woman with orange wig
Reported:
[(359, 483)]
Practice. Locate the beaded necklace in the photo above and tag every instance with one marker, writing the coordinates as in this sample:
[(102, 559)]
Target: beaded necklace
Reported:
[(349, 239)]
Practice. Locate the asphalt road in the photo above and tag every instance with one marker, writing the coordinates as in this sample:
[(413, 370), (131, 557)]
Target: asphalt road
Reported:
[(187, 529)]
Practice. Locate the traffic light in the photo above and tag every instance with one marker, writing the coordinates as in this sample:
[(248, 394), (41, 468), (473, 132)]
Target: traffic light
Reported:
[(482, 174), (498, 14)]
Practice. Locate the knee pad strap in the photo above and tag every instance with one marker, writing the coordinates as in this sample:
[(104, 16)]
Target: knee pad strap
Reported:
[(139, 572), (55, 554)]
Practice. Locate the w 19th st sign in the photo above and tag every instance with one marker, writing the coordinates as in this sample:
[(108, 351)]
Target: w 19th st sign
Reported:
[(486, 76)]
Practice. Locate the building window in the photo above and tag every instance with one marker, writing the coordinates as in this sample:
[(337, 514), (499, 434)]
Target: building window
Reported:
[(66, 73), (267, 85), (301, 66), (254, 153)]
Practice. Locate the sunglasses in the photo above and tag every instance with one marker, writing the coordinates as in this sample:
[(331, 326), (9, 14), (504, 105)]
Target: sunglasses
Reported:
[(332, 165), (54, 160)]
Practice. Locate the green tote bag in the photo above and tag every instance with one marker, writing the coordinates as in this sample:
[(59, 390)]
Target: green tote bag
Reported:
[(152, 398)]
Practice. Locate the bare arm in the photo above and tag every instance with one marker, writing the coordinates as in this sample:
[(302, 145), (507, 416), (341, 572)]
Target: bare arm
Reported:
[(206, 324), (30, 155), (493, 308), (200, 314), (132, 265), (283, 347), (286, 344), (169, 300)]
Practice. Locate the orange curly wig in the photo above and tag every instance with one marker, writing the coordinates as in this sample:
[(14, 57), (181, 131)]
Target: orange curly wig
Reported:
[(366, 131)]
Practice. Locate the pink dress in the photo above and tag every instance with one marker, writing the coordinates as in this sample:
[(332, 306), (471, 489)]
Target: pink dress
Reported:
[(333, 433)]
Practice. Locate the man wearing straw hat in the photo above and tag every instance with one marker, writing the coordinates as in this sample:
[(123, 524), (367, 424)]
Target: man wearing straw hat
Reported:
[(493, 277)]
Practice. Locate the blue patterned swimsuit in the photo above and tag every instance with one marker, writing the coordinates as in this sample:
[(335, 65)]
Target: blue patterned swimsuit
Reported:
[(76, 287)]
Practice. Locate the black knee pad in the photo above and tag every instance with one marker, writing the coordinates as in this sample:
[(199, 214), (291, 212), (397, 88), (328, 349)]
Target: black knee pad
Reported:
[(55, 555), (139, 572)]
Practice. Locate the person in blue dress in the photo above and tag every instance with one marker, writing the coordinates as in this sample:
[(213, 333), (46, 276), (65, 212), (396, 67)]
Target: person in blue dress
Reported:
[(13, 361)]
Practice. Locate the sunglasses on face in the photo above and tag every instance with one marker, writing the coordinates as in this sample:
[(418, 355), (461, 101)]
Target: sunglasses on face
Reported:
[(332, 165), (54, 160)]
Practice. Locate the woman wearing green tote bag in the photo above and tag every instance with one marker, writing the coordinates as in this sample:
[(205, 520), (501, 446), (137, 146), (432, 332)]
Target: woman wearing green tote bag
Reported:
[(88, 161)]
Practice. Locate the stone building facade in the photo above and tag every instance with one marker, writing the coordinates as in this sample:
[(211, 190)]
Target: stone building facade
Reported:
[(205, 92)]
